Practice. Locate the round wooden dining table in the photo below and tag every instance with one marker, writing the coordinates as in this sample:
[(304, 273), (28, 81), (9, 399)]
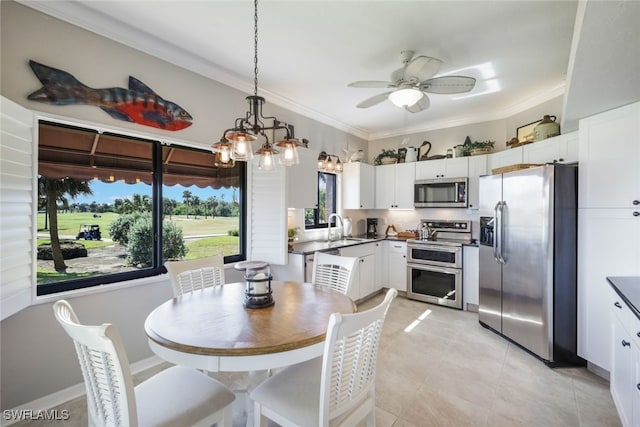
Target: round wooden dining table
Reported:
[(210, 329)]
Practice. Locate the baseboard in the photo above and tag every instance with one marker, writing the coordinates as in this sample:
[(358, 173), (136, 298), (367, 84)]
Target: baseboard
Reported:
[(474, 308), (60, 397), (601, 372)]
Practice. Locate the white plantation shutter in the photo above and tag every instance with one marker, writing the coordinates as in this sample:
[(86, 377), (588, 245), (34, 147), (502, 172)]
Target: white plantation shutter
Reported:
[(268, 216), (17, 176)]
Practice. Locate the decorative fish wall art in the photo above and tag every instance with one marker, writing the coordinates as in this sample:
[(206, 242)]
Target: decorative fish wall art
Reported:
[(138, 104)]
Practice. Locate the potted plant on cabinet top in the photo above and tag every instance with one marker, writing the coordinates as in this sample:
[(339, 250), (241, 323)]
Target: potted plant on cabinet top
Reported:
[(479, 147), (386, 157)]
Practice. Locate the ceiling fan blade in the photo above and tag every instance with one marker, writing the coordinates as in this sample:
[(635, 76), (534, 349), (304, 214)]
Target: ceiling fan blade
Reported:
[(372, 83), (422, 68), (422, 104), (370, 102), (448, 84)]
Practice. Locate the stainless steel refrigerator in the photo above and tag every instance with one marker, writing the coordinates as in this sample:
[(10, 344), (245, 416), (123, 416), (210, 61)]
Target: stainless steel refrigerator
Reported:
[(528, 268)]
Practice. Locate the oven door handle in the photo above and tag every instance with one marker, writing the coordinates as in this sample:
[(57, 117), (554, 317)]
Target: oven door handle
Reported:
[(431, 267), (443, 248)]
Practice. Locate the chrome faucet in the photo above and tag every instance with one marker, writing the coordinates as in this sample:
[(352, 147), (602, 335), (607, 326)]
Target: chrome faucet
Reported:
[(329, 234)]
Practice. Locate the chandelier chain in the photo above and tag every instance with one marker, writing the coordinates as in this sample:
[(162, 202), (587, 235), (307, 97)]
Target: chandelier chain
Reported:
[(255, 51)]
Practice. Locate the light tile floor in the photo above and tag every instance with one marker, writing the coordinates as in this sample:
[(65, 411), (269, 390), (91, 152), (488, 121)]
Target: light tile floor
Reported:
[(450, 371)]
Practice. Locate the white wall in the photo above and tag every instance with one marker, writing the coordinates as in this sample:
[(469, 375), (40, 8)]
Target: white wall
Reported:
[(37, 358), (497, 130)]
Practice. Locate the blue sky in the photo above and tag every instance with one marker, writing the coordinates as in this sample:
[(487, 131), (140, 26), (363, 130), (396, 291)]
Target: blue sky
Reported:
[(108, 192)]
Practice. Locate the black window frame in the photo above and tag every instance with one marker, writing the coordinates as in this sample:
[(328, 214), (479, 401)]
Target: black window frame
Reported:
[(316, 211), (157, 268)]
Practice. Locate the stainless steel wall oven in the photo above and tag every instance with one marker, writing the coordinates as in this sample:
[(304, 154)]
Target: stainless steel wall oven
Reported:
[(434, 266)]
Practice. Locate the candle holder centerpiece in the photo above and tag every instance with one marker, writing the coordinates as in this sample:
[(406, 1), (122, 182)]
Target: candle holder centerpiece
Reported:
[(257, 277)]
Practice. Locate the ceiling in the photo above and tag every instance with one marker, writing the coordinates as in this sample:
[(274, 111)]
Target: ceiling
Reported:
[(309, 51)]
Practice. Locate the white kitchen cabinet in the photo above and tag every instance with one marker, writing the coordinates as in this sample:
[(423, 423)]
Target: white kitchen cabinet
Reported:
[(477, 168), (358, 191), (607, 246), (364, 280), (302, 180), (396, 264), (609, 175), (444, 168), (470, 278), (558, 149), (508, 157), (394, 186), (608, 220), (625, 364)]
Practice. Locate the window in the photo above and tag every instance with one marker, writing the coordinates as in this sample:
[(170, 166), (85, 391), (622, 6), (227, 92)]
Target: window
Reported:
[(317, 218), (114, 208)]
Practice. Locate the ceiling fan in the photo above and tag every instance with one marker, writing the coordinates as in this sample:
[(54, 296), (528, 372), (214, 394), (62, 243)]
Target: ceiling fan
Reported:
[(413, 81)]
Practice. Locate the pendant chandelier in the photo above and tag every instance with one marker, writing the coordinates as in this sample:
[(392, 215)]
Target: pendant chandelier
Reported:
[(235, 144)]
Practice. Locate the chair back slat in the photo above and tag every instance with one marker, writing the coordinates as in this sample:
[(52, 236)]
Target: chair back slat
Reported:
[(349, 361), (334, 271), (191, 275), (110, 395)]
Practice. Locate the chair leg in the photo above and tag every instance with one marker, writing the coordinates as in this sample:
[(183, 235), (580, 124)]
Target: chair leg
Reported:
[(227, 417), (258, 419)]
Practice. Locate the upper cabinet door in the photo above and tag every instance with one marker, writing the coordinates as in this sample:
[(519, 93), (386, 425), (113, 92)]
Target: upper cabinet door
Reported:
[(405, 179), (358, 186), (512, 156), (386, 186), (558, 149), (610, 159), (442, 168)]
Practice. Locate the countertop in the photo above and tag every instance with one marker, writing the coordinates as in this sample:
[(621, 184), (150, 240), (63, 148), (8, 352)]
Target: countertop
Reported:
[(306, 248), (629, 290), (309, 247)]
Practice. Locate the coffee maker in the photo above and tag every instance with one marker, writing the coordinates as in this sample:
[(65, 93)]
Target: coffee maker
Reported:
[(372, 227)]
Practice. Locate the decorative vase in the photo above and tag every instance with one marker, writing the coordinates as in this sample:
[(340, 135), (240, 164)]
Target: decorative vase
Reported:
[(546, 128)]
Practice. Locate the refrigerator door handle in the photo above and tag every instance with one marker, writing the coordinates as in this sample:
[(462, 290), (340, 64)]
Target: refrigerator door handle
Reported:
[(500, 232), (496, 237)]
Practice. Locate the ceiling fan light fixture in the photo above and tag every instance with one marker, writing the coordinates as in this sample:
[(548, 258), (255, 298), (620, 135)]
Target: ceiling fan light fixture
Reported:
[(405, 97)]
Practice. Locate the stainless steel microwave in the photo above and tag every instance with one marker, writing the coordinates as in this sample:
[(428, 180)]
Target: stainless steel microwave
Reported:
[(441, 193)]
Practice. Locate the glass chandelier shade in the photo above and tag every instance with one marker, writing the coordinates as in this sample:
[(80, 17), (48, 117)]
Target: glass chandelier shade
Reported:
[(223, 150), (266, 157), (405, 97), (289, 151), (327, 164)]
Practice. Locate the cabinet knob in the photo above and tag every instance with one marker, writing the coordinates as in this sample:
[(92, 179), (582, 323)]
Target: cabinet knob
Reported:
[(638, 386), (617, 304), (638, 334), (636, 202), (636, 213), (626, 343), (561, 159)]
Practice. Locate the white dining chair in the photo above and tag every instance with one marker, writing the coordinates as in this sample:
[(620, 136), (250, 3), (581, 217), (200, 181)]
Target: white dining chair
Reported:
[(337, 389), (334, 271), (176, 396), (190, 275)]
